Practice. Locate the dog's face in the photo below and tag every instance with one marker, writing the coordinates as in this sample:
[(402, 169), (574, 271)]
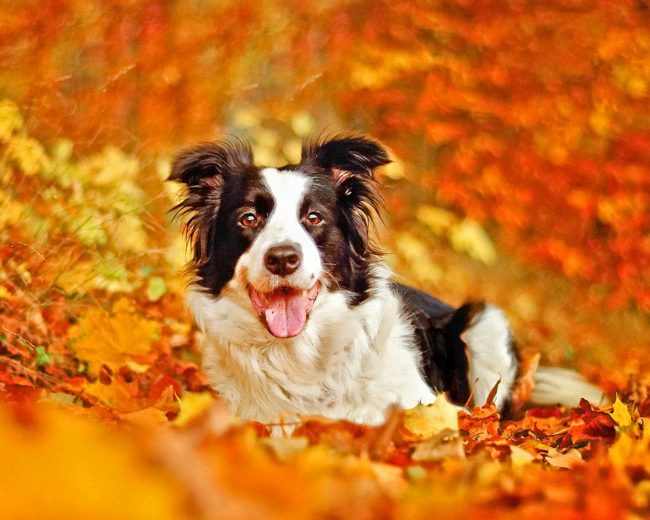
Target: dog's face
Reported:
[(282, 233)]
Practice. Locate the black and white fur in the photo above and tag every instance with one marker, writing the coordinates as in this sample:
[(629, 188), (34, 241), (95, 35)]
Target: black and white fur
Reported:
[(349, 342)]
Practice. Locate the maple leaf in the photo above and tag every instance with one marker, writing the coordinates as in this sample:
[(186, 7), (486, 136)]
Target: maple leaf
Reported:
[(114, 338), (588, 423), (431, 419), (621, 414)]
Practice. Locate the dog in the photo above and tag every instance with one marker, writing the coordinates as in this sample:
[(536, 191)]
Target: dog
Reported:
[(299, 313)]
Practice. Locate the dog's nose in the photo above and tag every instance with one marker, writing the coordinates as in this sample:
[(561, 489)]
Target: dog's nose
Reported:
[(283, 260)]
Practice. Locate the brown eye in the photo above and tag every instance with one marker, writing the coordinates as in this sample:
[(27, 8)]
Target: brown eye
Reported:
[(249, 220), (313, 219)]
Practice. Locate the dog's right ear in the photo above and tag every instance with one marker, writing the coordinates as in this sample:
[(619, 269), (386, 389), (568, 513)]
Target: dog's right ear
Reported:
[(210, 160), (203, 169)]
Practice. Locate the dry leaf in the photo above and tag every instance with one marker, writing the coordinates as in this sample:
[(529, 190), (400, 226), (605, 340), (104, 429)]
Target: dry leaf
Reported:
[(568, 460), (114, 338), (621, 414), (431, 419)]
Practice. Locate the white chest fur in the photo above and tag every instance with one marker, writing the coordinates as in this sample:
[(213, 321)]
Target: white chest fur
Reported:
[(349, 363)]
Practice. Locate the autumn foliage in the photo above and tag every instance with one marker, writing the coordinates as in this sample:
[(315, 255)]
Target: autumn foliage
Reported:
[(521, 138)]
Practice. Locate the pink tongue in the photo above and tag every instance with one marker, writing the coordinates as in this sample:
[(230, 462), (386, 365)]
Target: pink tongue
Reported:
[(286, 313)]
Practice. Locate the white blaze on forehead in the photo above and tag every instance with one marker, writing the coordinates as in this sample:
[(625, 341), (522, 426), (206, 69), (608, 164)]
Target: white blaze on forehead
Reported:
[(288, 189)]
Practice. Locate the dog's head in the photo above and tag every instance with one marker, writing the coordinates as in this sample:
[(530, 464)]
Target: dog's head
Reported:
[(282, 233)]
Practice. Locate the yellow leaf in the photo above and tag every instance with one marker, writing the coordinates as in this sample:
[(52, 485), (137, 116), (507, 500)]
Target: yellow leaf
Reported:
[(246, 118), (117, 394), (192, 405), (12, 211), (631, 450), (395, 169), (469, 237), (302, 124), (520, 457), (292, 150), (390, 478), (145, 417), (128, 233), (416, 253), (428, 420), (285, 448), (111, 167), (621, 414), (80, 468), (621, 450), (136, 367), (438, 220), (10, 119), (113, 338), (77, 277), (28, 154)]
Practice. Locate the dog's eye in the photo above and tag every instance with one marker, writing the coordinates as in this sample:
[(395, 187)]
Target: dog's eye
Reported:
[(313, 219), (249, 220)]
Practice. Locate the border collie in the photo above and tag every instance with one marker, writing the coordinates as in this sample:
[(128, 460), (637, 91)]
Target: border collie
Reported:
[(300, 315)]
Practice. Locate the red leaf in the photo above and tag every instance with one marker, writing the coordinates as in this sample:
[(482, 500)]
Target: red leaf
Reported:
[(598, 426)]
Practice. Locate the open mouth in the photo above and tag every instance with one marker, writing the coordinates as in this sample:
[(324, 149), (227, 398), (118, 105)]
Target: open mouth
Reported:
[(284, 311)]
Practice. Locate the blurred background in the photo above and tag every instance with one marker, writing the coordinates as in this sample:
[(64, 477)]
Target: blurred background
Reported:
[(520, 132)]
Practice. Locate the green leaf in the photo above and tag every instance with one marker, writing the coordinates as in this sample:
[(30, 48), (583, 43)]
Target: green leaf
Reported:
[(156, 288), (42, 357)]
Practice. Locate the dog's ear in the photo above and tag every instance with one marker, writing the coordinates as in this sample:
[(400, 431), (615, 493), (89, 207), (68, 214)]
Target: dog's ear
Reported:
[(210, 160), (346, 156), (203, 169), (350, 160)]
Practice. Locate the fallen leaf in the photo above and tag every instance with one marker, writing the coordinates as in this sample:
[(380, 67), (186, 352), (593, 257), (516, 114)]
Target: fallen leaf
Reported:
[(285, 448), (568, 460), (114, 338), (621, 414), (441, 446), (428, 420), (192, 405), (519, 457), (147, 417)]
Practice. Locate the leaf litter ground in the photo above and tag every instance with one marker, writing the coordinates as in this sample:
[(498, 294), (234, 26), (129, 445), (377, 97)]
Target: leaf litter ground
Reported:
[(105, 412)]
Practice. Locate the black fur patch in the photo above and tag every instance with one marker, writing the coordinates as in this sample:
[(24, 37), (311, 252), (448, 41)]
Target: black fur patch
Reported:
[(438, 328), (346, 163), (222, 182)]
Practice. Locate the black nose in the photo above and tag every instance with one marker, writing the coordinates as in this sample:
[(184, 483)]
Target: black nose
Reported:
[(283, 260)]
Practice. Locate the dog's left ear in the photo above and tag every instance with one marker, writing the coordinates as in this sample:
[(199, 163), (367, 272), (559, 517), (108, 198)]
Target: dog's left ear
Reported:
[(346, 156), (350, 160)]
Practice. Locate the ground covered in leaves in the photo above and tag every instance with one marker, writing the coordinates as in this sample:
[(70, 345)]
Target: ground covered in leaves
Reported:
[(105, 413)]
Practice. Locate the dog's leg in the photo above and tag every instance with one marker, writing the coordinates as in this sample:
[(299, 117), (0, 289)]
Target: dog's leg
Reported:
[(491, 354)]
